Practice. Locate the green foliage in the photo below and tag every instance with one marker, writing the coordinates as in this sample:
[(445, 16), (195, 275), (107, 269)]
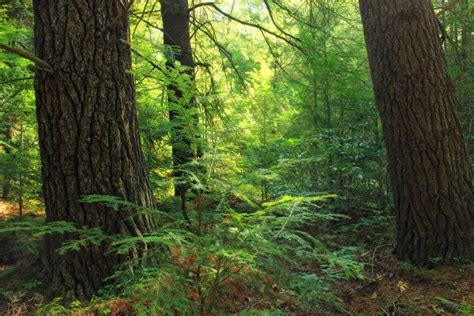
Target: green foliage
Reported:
[(266, 254), (311, 291), (19, 158), (254, 249), (19, 240), (53, 307), (463, 308)]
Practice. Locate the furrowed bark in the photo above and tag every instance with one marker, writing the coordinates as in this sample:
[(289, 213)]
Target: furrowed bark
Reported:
[(89, 139), (430, 172)]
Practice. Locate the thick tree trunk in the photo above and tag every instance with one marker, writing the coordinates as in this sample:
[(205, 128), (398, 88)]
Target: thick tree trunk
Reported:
[(178, 44), (88, 133), (431, 177)]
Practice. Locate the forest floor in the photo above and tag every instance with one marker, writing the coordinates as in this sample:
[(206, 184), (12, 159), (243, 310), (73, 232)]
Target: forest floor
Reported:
[(7, 210), (391, 287), (400, 289)]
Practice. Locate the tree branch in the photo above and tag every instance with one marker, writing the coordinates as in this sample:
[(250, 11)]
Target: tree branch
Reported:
[(221, 48), (140, 19), (202, 4), (150, 62), (16, 80), (447, 7), (272, 18), (40, 64), (261, 28), (121, 14)]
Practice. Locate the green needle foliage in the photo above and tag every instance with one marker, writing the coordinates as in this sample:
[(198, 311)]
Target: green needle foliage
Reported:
[(266, 253)]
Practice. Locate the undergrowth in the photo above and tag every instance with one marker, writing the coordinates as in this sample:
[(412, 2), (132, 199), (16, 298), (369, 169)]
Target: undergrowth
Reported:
[(227, 260)]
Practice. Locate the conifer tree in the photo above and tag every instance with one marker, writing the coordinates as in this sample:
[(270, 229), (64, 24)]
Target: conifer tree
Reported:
[(430, 172)]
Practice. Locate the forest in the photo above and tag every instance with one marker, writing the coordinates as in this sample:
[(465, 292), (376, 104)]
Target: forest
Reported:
[(236, 157)]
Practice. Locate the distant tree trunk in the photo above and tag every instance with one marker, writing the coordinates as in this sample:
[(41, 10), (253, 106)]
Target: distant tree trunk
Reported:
[(466, 35), (88, 132), (431, 177), (466, 13), (6, 176), (21, 172), (178, 42)]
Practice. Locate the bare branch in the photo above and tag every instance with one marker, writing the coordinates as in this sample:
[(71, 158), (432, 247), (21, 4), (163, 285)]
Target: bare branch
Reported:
[(254, 25), (16, 80), (40, 64), (148, 23), (202, 4), (270, 13), (451, 4), (141, 17), (121, 14), (221, 48), (150, 62)]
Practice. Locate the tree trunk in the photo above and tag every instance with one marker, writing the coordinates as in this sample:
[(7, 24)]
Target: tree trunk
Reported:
[(430, 173), (89, 140), (466, 35), (7, 179), (466, 106), (178, 44)]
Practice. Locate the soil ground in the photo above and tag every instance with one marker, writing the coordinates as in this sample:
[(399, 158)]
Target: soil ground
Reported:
[(400, 289)]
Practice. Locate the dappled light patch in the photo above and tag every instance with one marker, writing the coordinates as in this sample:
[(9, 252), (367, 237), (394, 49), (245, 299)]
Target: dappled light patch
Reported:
[(11, 210), (8, 210)]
